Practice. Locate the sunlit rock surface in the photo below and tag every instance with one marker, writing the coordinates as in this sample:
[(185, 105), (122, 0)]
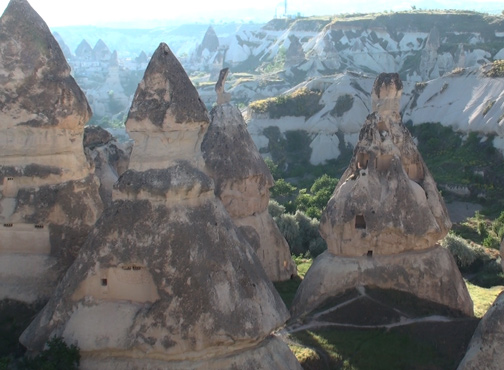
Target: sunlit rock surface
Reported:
[(242, 182), (48, 197), (164, 279), (384, 219)]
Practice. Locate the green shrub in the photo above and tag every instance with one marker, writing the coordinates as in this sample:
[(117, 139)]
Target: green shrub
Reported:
[(497, 69), (302, 102), (488, 107), (57, 356), (343, 104), (464, 254)]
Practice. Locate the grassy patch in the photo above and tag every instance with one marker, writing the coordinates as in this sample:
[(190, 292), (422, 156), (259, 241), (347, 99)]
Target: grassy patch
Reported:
[(374, 349), (497, 69), (302, 102), (483, 298), (287, 289)]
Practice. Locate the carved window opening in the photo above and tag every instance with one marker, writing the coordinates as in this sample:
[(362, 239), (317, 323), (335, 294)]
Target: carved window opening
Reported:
[(39, 226), (8, 225), (369, 253), (362, 160), (10, 178), (360, 222), (104, 282)]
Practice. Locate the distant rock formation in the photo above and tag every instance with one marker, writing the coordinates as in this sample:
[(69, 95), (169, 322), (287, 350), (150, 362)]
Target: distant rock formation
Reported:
[(142, 58), (294, 54), (109, 157), (101, 51), (384, 219), (242, 182), (49, 199), (210, 43), (84, 50), (222, 96), (165, 277), (64, 47)]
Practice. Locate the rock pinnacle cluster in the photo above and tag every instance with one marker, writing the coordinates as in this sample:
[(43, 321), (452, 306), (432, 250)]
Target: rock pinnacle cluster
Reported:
[(165, 280), (384, 219)]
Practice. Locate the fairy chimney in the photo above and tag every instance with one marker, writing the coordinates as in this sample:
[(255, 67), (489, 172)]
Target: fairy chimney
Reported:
[(48, 195), (384, 220), (242, 182), (166, 277)]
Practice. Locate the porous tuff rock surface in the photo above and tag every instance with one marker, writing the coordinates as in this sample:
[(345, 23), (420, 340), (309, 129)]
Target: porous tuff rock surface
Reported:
[(166, 279), (42, 109), (242, 182), (430, 274), (48, 199), (386, 201), (109, 158), (486, 349), (167, 120), (384, 219)]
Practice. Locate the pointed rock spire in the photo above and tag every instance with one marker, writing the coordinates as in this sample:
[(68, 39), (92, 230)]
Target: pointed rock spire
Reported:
[(166, 277), (242, 182), (166, 108), (48, 199), (385, 218)]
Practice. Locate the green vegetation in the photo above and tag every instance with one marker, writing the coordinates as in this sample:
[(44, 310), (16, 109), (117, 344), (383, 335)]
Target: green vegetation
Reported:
[(300, 231), (483, 297), (455, 159), (314, 201), (57, 356), (488, 107), (497, 69), (343, 104), (302, 102)]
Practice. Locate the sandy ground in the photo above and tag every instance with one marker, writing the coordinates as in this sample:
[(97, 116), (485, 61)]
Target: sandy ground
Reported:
[(459, 211)]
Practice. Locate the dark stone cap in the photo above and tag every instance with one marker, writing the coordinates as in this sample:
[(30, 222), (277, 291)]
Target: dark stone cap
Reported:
[(177, 96)]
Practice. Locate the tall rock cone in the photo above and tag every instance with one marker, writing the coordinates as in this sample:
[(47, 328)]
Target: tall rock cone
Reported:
[(49, 199), (242, 182), (164, 281), (384, 219)]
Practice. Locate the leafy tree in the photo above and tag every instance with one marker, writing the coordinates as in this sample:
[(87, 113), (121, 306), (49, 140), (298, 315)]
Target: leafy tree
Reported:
[(57, 356), (282, 189)]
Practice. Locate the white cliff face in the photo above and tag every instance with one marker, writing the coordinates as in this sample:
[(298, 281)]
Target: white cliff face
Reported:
[(465, 100)]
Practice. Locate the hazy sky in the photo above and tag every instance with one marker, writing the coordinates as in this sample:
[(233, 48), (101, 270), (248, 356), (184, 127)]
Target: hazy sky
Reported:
[(102, 12)]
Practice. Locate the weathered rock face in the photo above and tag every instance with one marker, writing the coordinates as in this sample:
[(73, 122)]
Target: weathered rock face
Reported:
[(109, 158), (385, 217), (165, 276), (48, 198), (486, 349), (242, 182), (371, 209), (166, 109)]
